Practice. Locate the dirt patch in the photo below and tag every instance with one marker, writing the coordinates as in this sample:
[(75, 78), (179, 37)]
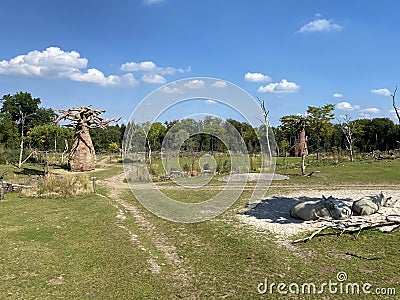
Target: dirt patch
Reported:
[(254, 176)]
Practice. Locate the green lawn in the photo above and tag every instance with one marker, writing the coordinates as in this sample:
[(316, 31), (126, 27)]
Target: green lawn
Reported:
[(76, 248), (364, 171)]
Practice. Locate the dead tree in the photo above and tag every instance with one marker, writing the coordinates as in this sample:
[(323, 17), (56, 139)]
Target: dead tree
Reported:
[(266, 122), (82, 156), (396, 110), (348, 128), (302, 142)]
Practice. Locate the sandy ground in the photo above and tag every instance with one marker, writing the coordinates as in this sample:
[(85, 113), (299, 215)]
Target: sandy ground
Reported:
[(273, 213)]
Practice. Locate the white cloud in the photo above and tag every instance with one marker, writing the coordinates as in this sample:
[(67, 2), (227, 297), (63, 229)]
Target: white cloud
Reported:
[(50, 63), (357, 107), (195, 84), (56, 63), (153, 78), (171, 90), (219, 84), (371, 110), (96, 76), (279, 87), (384, 92), (151, 67), (257, 77), (151, 72), (337, 95), (320, 25), (344, 106), (210, 101)]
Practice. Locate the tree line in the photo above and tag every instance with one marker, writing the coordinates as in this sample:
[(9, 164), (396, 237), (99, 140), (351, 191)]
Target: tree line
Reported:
[(25, 127)]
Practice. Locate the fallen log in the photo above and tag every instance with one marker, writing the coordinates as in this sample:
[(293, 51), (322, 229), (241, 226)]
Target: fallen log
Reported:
[(9, 187), (352, 226)]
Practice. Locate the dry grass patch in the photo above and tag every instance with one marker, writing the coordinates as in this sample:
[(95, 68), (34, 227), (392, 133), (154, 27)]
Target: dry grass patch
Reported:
[(60, 185)]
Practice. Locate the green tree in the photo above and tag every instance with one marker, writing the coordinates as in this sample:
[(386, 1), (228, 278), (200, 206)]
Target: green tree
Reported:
[(25, 111), (50, 137), (8, 131), (320, 127)]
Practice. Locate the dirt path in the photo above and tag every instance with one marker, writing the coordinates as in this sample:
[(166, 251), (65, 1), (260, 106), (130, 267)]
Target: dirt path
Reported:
[(117, 187)]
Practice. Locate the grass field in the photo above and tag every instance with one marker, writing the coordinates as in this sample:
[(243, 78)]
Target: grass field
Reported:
[(91, 247)]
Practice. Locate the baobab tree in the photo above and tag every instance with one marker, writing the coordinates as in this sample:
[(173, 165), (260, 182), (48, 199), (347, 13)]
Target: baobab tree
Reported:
[(82, 156)]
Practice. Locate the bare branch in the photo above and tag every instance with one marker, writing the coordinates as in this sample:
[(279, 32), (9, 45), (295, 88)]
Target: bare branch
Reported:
[(396, 110)]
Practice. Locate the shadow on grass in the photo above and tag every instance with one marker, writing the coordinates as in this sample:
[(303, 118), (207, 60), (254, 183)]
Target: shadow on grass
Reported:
[(30, 171)]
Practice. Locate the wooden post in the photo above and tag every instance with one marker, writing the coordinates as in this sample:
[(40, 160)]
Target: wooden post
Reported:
[(1, 192)]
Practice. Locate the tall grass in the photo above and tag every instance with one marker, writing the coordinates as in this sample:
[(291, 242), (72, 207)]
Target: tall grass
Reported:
[(55, 186)]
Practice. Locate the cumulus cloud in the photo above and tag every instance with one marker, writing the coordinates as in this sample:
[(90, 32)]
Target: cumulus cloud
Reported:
[(96, 76), (195, 84), (337, 95), (50, 63), (57, 63), (171, 90), (54, 62), (257, 77), (219, 84), (279, 87), (320, 25), (384, 92), (154, 78), (151, 72), (344, 106), (151, 67), (371, 110)]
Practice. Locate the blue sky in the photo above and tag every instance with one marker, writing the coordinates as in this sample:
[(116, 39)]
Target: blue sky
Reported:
[(291, 54)]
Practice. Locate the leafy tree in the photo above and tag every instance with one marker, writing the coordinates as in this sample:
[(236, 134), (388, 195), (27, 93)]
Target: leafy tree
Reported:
[(101, 138), (8, 131), (50, 137), (113, 147), (25, 111), (320, 127), (300, 146)]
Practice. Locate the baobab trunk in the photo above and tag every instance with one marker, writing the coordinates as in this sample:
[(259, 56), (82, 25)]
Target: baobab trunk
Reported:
[(82, 157)]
